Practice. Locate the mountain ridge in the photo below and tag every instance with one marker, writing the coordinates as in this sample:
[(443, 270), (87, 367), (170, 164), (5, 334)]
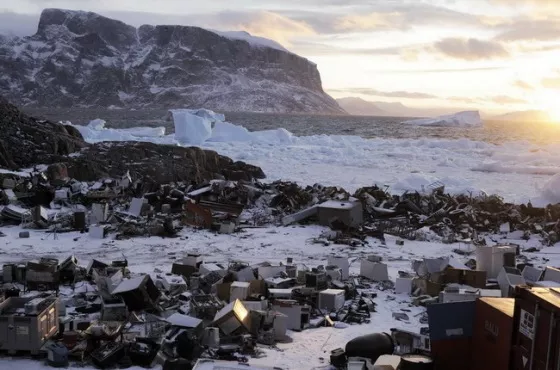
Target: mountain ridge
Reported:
[(83, 59), (359, 106)]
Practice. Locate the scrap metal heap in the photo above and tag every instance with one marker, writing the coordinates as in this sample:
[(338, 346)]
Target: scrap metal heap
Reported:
[(50, 200), (101, 315), (213, 312)]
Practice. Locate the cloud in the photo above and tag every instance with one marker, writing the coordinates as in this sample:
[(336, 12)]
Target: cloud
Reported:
[(322, 49), (18, 24), (462, 99), (523, 85), (499, 99), (383, 16), (269, 25), (470, 49), (441, 70), (389, 94), (368, 22), (525, 2), (531, 30), (503, 99), (552, 82)]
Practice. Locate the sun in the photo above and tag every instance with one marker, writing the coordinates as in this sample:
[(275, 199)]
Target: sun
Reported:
[(549, 102)]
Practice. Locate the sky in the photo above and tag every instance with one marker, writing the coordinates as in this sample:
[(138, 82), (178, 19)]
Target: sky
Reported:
[(494, 55)]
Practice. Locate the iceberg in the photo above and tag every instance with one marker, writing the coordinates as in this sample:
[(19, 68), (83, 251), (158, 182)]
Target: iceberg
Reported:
[(461, 119), (207, 114), (225, 132), (193, 126)]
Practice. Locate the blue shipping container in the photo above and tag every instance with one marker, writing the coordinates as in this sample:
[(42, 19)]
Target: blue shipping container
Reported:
[(451, 320)]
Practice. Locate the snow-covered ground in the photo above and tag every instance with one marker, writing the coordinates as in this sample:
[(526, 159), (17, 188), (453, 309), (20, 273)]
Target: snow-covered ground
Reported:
[(308, 349), (518, 171)]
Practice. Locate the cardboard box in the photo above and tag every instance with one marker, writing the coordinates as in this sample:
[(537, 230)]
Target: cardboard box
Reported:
[(223, 291), (476, 279)]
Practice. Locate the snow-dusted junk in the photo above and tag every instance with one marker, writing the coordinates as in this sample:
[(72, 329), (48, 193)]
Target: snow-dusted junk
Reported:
[(373, 269), (235, 308), (139, 293), (27, 324), (508, 279), (348, 213)]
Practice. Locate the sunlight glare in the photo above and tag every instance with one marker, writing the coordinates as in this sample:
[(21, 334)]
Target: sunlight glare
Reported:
[(549, 102)]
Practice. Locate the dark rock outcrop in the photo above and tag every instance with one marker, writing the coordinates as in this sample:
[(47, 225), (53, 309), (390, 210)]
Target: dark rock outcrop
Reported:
[(87, 60), (157, 163), (26, 141)]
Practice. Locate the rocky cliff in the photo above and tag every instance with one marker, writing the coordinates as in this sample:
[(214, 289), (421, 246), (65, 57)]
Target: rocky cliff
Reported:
[(87, 60), (26, 141)]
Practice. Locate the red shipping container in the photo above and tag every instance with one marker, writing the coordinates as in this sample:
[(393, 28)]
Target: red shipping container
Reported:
[(452, 354), (492, 333), (536, 329)]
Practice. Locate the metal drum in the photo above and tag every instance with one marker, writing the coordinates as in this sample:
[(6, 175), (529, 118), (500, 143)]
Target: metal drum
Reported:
[(416, 362)]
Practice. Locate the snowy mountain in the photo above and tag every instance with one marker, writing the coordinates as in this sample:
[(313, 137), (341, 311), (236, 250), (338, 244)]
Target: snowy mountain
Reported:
[(87, 60), (524, 116)]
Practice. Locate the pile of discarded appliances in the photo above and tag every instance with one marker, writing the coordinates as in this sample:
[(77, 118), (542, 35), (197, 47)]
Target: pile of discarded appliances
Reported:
[(133, 208), (501, 316), (101, 315)]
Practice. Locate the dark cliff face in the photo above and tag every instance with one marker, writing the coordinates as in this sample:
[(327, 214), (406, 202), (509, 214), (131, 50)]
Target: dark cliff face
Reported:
[(84, 59)]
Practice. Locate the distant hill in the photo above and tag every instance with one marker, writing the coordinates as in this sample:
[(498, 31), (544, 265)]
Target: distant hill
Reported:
[(523, 116), (361, 107)]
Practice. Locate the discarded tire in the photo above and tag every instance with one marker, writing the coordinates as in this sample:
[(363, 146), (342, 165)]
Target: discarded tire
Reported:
[(370, 346)]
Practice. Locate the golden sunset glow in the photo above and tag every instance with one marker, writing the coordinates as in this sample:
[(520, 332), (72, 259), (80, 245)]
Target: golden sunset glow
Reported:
[(549, 102)]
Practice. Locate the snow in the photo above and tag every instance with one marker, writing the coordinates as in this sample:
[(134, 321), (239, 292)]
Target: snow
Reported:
[(252, 40), (145, 131), (128, 284), (191, 128), (97, 124), (125, 96), (16, 173), (420, 182), (184, 321), (466, 118)]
